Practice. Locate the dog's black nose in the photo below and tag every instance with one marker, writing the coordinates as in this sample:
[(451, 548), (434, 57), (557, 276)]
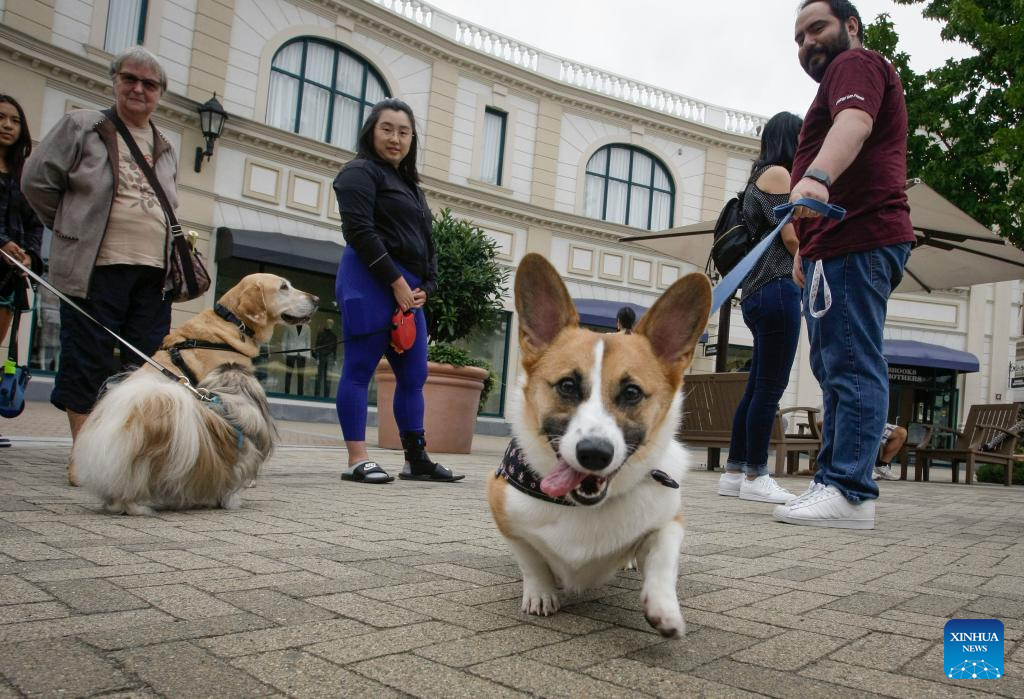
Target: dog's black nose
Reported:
[(594, 454)]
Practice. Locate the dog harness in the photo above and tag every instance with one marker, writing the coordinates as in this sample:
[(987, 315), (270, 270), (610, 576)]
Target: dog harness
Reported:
[(517, 472), (174, 351)]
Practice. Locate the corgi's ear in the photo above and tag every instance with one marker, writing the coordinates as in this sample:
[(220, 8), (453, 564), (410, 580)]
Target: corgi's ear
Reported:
[(543, 304), (676, 320)]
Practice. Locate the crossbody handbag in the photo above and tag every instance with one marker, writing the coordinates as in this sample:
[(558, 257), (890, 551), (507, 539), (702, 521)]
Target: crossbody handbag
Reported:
[(189, 276)]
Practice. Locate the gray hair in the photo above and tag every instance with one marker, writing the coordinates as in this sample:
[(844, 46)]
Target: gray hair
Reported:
[(140, 55)]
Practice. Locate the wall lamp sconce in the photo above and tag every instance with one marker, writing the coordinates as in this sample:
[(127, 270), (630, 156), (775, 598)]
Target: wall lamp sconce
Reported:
[(211, 121)]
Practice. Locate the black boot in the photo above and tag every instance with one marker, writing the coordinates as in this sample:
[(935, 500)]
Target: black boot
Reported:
[(418, 466)]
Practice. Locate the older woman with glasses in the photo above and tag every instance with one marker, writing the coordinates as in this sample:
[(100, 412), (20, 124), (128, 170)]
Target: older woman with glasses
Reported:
[(111, 239)]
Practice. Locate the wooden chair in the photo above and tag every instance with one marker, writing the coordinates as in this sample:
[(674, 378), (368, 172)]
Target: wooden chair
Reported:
[(985, 422), (709, 403)]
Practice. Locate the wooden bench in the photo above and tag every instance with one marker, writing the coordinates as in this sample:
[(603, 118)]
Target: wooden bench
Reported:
[(709, 403), (985, 422)]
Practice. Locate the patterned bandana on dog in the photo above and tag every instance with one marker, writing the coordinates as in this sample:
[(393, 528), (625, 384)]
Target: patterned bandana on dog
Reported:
[(520, 476)]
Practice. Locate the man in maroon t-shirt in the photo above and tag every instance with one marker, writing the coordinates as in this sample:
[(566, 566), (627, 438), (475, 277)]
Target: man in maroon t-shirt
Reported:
[(852, 152)]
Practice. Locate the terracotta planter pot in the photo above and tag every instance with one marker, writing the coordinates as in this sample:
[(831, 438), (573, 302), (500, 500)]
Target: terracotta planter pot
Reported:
[(451, 397)]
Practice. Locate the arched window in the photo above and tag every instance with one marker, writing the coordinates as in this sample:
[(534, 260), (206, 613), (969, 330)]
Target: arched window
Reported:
[(626, 184), (323, 91)]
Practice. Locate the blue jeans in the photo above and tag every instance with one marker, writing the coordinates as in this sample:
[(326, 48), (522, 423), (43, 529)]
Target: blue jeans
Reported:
[(773, 315), (847, 361)]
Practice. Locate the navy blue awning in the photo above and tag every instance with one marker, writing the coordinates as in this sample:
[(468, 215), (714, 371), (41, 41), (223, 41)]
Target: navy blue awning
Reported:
[(602, 314), (914, 353), (306, 254)]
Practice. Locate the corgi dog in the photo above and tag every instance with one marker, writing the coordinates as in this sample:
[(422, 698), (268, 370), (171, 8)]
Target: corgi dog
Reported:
[(590, 482)]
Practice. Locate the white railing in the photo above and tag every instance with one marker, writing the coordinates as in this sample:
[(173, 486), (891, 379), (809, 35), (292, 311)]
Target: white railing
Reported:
[(573, 73), (494, 44), (418, 12)]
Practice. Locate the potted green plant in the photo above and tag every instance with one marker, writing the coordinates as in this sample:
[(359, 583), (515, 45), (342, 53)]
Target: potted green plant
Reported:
[(470, 286)]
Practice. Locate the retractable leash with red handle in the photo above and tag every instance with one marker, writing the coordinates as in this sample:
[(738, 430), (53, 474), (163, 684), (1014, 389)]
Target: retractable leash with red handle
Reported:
[(730, 282), (403, 330)]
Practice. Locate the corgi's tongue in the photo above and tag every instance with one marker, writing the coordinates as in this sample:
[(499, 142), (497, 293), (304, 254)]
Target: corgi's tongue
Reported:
[(561, 481)]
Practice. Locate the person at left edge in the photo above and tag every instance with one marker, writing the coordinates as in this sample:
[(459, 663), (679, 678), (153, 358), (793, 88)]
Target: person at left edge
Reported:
[(21, 233), (111, 239), (389, 261)]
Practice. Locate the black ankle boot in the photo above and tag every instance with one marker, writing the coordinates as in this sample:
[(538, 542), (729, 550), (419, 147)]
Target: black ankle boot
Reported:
[(418, 465)]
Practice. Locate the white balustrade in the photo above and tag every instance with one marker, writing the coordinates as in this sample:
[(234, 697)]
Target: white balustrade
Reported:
[(572, 73)]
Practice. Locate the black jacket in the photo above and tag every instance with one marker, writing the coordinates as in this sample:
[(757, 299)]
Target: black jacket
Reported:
[(18, 222), (386, 221)]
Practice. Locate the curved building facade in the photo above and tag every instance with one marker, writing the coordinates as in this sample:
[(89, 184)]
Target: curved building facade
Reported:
[(545, 154)]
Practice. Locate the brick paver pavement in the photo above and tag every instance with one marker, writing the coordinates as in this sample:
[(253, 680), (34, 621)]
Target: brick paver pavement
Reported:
[(322, 588)]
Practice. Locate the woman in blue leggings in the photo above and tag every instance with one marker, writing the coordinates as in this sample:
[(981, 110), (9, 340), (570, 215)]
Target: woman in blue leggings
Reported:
[(771, 309), (389, 262)]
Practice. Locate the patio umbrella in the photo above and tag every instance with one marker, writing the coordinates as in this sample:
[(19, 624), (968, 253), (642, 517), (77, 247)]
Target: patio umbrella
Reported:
[(952, 249)]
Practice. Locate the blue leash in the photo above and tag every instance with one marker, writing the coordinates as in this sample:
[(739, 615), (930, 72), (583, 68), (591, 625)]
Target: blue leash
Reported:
[(730, 282)]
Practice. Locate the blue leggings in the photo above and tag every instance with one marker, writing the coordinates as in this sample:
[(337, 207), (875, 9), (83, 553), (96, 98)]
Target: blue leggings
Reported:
[(367, 307)]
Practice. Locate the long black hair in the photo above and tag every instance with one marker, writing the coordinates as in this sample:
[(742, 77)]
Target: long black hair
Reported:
[(778, 141), (406, 168), (841, 10), (626, 318), (18, 152)]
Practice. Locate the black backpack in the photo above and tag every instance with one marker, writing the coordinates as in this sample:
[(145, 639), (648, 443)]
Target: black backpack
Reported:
[(733, 239)]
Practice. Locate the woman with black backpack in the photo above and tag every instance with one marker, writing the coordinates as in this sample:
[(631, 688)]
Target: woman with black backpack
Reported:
[(770, 302)]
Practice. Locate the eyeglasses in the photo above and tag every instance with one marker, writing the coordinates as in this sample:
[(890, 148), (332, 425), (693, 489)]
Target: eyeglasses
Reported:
[(132, 80)]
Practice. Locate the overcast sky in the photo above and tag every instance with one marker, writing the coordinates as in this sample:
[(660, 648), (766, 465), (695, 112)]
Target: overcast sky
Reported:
[(733, 53)]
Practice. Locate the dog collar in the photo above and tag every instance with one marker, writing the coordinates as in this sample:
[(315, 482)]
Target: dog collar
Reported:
[(218, 406), (225, 313), (520, 476)]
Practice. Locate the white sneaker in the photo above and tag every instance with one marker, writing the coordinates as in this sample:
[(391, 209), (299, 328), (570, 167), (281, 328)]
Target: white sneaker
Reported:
[(812, 488), (825, 506), (885, 472), (729, 484), (765, 489)]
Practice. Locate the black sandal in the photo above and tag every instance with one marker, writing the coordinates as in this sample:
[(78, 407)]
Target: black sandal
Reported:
[(367, 472), (440, 474)]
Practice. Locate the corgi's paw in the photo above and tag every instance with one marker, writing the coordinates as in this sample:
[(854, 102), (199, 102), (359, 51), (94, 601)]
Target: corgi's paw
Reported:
[(663, 613), (538, 600), (231, 501)]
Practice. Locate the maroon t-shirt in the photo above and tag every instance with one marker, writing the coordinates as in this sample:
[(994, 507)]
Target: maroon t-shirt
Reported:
[(872, 189)]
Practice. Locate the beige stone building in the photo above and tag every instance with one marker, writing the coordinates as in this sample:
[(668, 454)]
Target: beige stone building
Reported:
[(544, 153)]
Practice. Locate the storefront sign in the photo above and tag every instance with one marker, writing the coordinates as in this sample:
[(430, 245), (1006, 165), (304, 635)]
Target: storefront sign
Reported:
[(906, 374), (1016, 374)]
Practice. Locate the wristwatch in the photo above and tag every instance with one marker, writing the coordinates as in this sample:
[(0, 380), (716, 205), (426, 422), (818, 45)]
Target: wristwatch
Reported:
[(819, 176)]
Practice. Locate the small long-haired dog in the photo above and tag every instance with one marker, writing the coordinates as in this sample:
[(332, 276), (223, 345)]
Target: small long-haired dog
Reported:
[(151, 444), (590, 482)]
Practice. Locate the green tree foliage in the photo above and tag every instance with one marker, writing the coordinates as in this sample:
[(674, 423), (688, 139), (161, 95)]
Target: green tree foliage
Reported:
[(965, 116), (470, 282)]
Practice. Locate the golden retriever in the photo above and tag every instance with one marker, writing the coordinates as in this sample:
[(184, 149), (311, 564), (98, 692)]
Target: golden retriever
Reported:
[(151, 444)]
